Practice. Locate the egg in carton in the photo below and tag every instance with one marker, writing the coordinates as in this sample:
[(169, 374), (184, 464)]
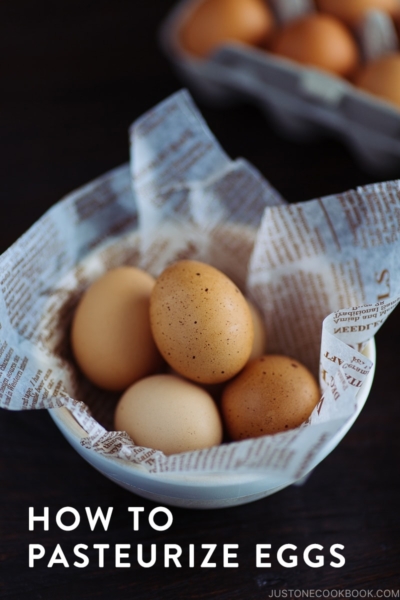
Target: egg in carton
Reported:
[(300, 101)]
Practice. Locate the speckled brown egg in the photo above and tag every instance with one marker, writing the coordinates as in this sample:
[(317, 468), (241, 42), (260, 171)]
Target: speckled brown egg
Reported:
[(201, 322), (167, 413), (111, 336), (272, 394)]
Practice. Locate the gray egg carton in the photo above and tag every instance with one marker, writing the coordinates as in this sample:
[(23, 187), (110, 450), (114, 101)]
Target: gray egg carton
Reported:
[(301, 102)]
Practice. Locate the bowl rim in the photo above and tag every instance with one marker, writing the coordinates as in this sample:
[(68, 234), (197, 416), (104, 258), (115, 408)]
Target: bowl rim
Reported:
[(122, 471)]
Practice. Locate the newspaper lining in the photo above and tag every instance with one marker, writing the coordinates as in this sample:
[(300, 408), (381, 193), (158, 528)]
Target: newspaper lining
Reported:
[(324, 274)]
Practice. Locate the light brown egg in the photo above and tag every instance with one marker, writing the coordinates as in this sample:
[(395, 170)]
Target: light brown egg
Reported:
[(272, 394), (381, 77), (167, 413), (321, 41), (111, 336), (201, 322), (260, 338), (214, 22), (352, 11)]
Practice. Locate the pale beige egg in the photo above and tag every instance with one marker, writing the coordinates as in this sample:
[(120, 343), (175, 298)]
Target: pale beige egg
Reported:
[(214, 22), (111, 336), (272, 394), (170, 414), (201, 322), (321, 41)]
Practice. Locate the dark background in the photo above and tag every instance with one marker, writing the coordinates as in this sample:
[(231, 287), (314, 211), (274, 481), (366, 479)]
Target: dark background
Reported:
[(74, 75)]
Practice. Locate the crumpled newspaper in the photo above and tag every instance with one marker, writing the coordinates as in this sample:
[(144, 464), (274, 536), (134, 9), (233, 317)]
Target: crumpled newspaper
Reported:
[(324, 274)]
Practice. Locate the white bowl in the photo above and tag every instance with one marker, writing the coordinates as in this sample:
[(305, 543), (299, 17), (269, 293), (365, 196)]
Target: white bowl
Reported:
[(215, 490)]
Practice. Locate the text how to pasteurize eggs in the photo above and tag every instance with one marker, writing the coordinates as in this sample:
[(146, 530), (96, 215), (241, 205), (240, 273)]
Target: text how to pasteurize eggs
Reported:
[(201, 322)]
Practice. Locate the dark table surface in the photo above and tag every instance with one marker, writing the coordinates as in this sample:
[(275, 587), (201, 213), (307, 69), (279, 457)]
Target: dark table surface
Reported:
[(74, 75)]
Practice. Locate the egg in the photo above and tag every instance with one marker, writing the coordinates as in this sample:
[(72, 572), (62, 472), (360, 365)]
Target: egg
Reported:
[(272, 394), (318, 40), (214, 22), (201, 322), (170, 414), (352, 11), (381, 77), (260, 338), (111, 336)]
